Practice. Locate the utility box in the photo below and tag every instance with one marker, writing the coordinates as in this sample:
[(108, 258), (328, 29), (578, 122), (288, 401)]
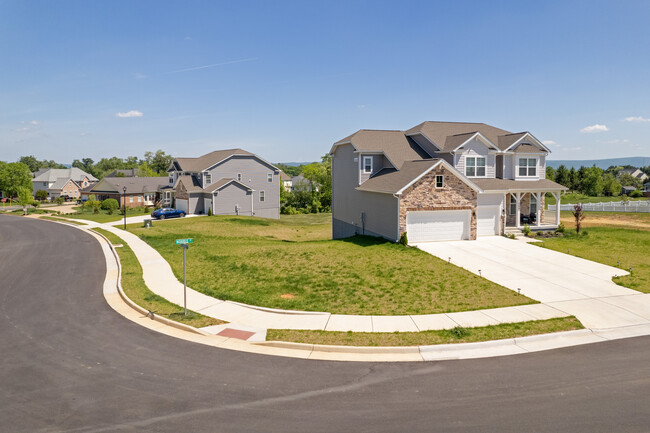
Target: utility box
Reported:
[(148, 223)]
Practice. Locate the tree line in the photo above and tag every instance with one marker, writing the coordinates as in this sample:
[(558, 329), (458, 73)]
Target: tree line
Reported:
[(314, 195), (594, 181)]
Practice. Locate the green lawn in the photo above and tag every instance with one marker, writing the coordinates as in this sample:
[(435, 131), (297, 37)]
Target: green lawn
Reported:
[(575, 197), (79, 223), (293, 264), (135, 288), (104, 217), (456, 335), (609, 245)]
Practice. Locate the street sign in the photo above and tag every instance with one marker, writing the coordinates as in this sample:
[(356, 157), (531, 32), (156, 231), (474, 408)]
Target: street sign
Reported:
[(184, 241)]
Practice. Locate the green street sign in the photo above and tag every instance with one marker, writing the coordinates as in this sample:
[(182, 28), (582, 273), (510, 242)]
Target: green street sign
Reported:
[(184, 241)]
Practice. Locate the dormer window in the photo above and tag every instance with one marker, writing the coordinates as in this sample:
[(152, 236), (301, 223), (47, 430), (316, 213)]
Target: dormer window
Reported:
[(171, 179), (367, 164), (475, 166), (208, 179), (528, 167)]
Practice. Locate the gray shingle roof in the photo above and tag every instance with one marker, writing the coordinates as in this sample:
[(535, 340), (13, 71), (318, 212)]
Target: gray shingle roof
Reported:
[(208, 160), (389, 180), (134, 185), (223, 182), (439, 131), (394, 144), (60, 183), (518, 185), (52, 174)]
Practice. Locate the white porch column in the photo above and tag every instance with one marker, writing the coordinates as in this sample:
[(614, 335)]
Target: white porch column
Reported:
[(557, 207), (538, 216), (518, 213)]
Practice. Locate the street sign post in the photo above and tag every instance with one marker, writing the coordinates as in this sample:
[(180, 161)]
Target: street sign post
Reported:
[(185, 244)]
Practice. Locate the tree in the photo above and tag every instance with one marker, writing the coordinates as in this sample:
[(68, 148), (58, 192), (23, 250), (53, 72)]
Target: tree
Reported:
[(574, 182), (159, 161), (93, 204), (291, 170), (31, 162), (145, 170), (13, 176), (86, 164), (550, 173), (592, 181), (627, 179), (24, 197), (41, 195), (611, 186), (579, 215), (563, 176)]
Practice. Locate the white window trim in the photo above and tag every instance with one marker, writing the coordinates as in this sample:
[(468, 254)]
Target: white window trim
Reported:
[(363, 167), (262, 196), (442, 181), (527, 158), (513, 202), (530, 205), (476, 166), (207, 178), (269, 177)]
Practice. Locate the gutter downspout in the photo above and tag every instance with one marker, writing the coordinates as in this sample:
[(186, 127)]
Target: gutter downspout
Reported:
[(397, 196), (252, 210)]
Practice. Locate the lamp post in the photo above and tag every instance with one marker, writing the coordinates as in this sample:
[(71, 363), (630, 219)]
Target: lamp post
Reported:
[(124, 202)]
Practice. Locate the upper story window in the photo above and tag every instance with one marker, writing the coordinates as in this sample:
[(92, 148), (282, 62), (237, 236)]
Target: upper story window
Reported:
[(440, 181), (269, 177), (238, 177), (528, 167), (367, 164), (475, 166), (208, 178), (171, 179), (262, 195)]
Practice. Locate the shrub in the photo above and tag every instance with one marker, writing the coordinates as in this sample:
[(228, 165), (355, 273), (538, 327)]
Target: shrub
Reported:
[(35, 204), (209, 211), (511, 236), (59, 200), (41, 195), (403, 239), (636, 194), (459, 332), (527, 231), (560, 228), (110, 205)]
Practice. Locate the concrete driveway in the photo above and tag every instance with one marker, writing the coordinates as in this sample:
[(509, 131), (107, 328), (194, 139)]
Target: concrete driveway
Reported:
[(577, 286)]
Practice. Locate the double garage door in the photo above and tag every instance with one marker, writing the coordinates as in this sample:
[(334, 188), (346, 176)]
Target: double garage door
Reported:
[(450, 225), (438, 225)]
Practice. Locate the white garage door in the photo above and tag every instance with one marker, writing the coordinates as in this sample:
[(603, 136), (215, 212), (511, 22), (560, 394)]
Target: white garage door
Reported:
[(182, 205), (487, 223), (440, 225)]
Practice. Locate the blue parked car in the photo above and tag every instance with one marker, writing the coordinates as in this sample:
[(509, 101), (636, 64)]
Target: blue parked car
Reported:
[(167, 212)]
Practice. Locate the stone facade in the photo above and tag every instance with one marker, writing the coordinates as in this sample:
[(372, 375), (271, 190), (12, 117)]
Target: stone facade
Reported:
[(424, 196)]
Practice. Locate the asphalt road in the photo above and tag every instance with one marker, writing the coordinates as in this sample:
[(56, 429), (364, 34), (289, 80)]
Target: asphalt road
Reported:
[(68, 362)]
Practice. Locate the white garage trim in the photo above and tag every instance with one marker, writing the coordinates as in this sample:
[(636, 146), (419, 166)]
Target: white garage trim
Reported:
[(487, 220), (438, 225), (183, 205)]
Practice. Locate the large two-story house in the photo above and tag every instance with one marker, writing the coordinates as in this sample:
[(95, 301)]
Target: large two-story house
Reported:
[(227, 182), (65, 182), (439, 181)]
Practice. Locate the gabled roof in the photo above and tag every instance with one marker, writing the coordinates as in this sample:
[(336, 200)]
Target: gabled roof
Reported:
[(196, 165), (222, 183), (61, 182), (391, 181), (397, 147), (284, 176), (190, 183), (439, 131), (52, 174), (134, 185)]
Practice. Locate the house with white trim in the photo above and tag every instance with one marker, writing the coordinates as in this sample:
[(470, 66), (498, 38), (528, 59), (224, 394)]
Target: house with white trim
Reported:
[(227, 182), (65, 182), (439, 181)]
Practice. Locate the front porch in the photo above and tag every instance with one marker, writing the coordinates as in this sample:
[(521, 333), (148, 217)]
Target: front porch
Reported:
[(528, 208)]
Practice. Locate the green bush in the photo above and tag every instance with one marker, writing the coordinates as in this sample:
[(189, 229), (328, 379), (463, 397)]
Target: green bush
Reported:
[(59, 200), (636, 194), (527, 231), (459, 332), (36, 203), (41, 195), (110, 205), (403, 239), (209, 211), (560, 228)]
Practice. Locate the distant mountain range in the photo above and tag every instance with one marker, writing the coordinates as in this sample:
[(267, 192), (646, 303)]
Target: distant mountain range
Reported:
[(295, 164), (636, 161)]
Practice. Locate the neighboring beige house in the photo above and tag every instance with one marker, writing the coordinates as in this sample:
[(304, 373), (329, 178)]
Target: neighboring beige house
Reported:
[(439, 181), (225, 182), (140, 191), (66, 182), (635, 172), (287, 183)]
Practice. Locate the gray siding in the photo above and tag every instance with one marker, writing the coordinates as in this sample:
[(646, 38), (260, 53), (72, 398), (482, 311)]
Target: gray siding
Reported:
[(378, 162), (254, 175), (380, 210), (228, 198), (476, 148)]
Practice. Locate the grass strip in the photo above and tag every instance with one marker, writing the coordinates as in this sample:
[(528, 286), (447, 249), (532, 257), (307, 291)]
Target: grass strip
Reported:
[(426, 338), (135, 288), (79, 223)]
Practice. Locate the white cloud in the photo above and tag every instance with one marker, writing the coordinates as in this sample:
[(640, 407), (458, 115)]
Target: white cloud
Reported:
[(615, 141), (549, 143), (132, 113), (594, 128), (636, 119), (569, 149), (35, 122), (24, 129)]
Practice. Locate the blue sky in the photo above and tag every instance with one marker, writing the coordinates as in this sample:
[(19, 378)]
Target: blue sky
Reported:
[(286, 79)]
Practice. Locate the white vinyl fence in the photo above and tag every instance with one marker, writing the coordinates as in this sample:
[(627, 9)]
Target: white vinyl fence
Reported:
[(631, 206)]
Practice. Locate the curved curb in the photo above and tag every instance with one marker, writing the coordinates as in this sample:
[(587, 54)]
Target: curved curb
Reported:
[(441, 352)]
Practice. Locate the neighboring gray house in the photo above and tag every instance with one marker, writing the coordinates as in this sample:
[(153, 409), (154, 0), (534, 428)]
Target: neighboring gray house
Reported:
[(229, 182), (66, 182), (439, 181)]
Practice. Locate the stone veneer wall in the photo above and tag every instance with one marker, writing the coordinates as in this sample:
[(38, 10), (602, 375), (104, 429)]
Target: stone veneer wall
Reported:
[(424, 196)]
